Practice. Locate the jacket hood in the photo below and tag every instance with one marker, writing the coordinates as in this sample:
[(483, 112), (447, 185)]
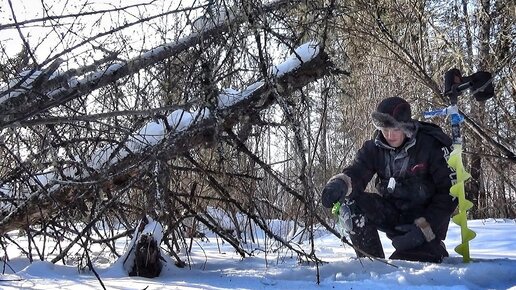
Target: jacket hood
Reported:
[(435, 131)]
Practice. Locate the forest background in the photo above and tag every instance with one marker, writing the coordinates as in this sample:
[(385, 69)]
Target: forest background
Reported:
[(81, 80)]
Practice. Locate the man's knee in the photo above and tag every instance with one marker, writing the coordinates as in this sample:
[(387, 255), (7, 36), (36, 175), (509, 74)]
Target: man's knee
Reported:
[(377, 210), (364, 237)]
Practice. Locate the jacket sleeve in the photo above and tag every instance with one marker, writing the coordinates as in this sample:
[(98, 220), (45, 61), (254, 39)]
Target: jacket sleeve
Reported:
[(442, 204), (362, 169)]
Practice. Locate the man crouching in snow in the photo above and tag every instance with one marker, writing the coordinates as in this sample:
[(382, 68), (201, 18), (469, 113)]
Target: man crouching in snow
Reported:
[(413, 205)]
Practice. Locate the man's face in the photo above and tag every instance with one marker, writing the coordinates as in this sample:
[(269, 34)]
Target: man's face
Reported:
[(393, 136)]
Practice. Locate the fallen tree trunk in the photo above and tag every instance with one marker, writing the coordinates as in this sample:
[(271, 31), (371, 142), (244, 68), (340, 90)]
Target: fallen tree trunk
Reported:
[(44, 93)]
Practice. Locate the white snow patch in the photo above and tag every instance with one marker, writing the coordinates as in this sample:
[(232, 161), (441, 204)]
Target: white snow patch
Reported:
[(229, 96), (215, 265), (24, 87), (303, 53)]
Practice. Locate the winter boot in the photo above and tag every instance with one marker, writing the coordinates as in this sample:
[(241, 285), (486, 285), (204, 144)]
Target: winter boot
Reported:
[(433, 251)]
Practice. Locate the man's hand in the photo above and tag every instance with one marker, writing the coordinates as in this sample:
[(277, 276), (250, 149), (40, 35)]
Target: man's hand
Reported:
[(335, 190), (412, 237)]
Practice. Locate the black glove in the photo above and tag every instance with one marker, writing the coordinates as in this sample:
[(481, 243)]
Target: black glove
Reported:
[(412, 237), (333, 191)]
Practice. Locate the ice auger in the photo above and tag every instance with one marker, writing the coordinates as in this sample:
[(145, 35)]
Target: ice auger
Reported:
[(455, 84)]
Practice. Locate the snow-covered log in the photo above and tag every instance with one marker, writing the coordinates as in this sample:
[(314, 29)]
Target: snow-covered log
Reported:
[(23, 100)]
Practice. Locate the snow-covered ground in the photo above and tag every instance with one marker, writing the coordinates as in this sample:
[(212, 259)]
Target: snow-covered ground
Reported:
[(493, 267)]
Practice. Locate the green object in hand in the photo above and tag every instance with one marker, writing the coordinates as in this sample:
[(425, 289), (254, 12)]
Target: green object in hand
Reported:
[(335, 209)]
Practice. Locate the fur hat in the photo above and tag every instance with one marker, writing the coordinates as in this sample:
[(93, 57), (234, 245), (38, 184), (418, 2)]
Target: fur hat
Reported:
[(394, 112)]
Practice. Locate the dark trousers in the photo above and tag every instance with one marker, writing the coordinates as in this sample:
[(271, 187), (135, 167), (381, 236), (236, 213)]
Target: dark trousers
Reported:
[(371, 212)]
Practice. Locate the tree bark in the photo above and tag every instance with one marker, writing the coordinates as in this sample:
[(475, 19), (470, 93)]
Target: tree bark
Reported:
[(477, 192)]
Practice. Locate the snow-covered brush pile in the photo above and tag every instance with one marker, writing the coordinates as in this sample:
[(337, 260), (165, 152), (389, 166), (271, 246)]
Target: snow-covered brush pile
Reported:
[(67, 193), (115, 178), (179, 132)]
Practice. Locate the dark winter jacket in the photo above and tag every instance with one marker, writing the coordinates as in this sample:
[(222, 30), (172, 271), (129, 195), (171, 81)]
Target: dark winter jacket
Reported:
[(423, 178)]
